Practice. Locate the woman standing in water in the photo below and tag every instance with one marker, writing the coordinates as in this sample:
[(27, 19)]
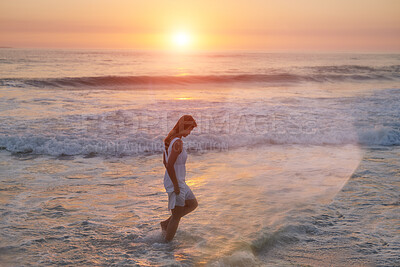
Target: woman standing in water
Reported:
[(181, 199)]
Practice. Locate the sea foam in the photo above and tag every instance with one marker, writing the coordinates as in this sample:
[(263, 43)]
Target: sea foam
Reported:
[(131, 146)]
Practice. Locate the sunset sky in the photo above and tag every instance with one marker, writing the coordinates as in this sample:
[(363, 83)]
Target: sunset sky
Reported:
[(286, 25)]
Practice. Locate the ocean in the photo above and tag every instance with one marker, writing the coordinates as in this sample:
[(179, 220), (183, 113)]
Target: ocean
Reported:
[(295, 160)]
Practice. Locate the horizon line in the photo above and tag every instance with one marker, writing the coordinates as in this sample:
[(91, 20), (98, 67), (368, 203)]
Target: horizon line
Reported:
[(227, 50)]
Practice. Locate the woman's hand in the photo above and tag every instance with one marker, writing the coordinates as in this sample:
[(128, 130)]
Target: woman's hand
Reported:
[(177, 190)]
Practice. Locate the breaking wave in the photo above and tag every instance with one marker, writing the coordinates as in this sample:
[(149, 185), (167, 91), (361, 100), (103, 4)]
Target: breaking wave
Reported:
[(311, 74), (71, 145)]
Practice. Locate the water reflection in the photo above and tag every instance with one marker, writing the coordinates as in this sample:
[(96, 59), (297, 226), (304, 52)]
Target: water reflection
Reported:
[(242, 194)]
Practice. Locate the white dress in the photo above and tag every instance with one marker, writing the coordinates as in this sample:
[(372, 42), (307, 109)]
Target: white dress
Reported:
[(180, 172)]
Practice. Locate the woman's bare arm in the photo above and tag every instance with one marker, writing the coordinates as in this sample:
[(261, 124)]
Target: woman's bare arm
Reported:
[(175, 151)]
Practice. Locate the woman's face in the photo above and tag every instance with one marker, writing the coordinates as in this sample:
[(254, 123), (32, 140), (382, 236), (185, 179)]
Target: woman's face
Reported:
[(187, 131)]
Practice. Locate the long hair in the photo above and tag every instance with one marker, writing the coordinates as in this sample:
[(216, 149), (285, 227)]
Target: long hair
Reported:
[(184, 123)]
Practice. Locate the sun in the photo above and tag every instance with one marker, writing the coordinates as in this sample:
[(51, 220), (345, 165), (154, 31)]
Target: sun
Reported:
[(181, 39)]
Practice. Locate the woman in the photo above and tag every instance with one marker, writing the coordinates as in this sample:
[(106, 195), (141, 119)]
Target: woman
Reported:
[(181, 199)]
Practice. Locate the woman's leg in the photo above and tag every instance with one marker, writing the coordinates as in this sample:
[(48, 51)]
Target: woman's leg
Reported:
[(190, 205), (173, 223), (164, 224)]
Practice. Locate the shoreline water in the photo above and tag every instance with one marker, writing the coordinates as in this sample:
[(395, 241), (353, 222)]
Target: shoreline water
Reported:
[(294, 220), (70, 195)]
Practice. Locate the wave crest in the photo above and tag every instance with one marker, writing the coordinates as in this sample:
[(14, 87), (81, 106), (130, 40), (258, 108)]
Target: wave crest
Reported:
[(312, 74), (131, 146)]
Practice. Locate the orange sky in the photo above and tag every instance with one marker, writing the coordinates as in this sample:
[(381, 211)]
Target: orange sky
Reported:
[(271, 25)]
